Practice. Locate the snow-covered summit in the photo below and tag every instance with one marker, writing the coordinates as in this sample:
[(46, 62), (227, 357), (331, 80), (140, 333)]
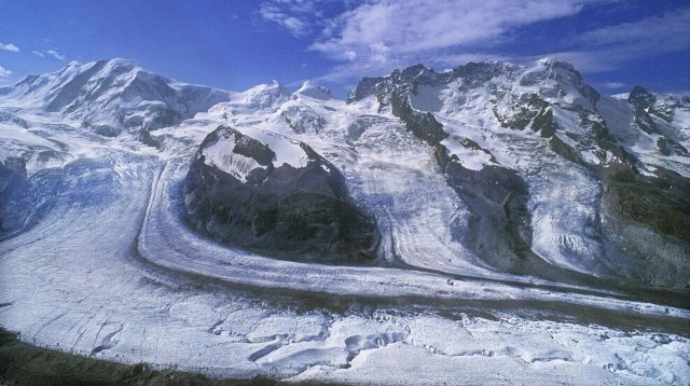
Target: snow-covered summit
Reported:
[(312, 90), (263, 96), (111, 95), (555, 63)]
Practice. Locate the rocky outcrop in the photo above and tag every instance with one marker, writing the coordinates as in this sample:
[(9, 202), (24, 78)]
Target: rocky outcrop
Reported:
[(235, 194), (648, 219)]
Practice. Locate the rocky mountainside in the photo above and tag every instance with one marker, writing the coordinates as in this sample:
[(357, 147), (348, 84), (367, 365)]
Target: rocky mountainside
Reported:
[(237, 193), (557, 180), (489, 168), (504, 136)]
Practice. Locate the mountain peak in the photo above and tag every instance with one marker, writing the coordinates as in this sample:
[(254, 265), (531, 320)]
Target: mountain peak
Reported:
[(641, 97), (562, 75), (551, 62), (272, 85), (414, 73), (265, 95), (121, 63), (101, 68), (112, 95), (313, 90), (414, 70)]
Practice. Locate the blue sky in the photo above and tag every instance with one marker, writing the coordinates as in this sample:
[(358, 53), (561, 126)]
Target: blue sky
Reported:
[(235, 44)]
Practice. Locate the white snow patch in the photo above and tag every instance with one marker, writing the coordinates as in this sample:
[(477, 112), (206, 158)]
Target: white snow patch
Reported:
[(313, 90), (221, 155), (468, 157), (567, 120)]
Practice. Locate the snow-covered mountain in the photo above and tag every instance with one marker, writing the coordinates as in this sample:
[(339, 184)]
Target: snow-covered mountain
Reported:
[(544, 175), (109, 96), (553, 179), (535, 122), (491, 187)]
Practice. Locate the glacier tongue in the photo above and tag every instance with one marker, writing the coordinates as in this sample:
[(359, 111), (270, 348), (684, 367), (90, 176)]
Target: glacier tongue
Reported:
[(113, 304), (396, 177)]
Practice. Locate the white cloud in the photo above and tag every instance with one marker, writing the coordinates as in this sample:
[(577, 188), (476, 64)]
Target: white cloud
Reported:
[(412, 26), (297, 16), (292, 24), (350, 55), (667, 32), (379, 52), (616, 44), (609, 48), (9, 47), (4, 73), (372, 37), (56, 55), (613, 85), (375, 36), (51, 53)]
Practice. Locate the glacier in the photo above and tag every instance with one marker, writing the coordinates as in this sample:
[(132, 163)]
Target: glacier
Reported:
[(96, 258)]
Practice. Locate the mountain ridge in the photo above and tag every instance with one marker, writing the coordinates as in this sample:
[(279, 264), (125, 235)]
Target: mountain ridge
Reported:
[(501, 137), (113, 95)]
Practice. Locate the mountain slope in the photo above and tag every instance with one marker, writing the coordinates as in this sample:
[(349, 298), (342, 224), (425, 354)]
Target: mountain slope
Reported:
[(284, 200), (109, 96), (543, 126), (536, 173)]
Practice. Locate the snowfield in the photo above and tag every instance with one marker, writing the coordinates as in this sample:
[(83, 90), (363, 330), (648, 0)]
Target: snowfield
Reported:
[(104, 265)]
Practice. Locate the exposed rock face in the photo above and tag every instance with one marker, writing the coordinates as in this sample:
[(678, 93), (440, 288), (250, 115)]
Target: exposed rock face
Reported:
[(299, 212), (500, 225), (649, 218), (655, 116), (641, 98)]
